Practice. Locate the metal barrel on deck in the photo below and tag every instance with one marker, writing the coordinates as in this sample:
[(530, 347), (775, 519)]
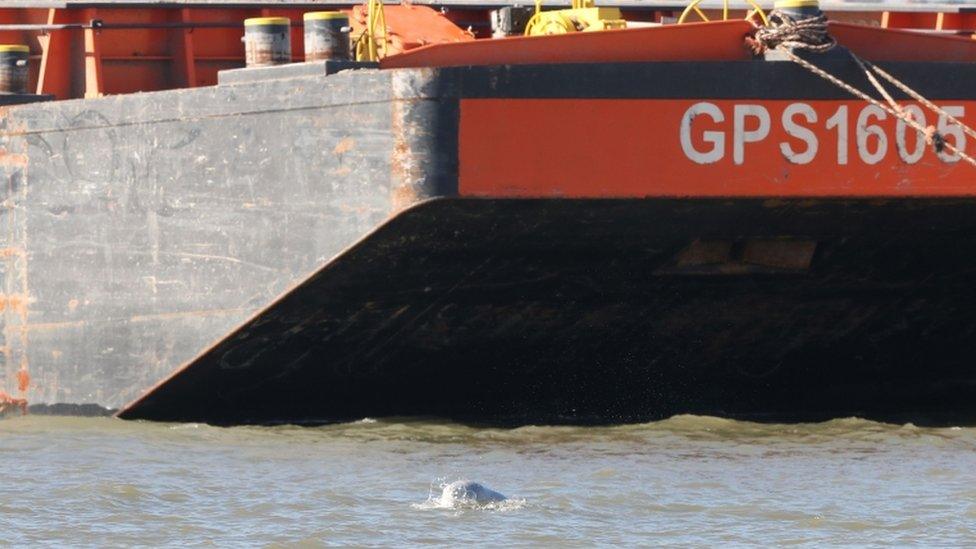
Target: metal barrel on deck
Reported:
[(326, 36), (14, 60), (267, 41)]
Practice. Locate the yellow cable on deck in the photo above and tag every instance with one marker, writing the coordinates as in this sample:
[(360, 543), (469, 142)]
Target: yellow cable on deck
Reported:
[(371, 45)]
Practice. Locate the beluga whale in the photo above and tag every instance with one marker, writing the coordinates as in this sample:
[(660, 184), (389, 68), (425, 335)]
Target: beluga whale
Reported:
[(465, 493)]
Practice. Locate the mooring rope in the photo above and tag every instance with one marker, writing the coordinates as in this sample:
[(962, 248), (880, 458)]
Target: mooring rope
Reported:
[(788, 33), (915, 95)]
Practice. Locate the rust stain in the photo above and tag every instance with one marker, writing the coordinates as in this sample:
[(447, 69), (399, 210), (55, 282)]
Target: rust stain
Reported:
[(14, 128), (15, 295), (12, 159), (72, 305), (404, 196), (344, 146), (401, 158), (23, 378), (14, 302), (403, 165), (7, 402)]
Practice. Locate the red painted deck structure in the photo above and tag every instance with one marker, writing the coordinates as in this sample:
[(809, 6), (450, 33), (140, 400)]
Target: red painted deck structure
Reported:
[(87, 49)]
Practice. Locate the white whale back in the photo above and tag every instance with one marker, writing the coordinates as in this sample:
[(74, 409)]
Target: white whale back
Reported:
[(465, 493)]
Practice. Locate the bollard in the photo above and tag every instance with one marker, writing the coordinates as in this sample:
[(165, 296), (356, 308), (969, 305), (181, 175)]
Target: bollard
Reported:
[(267, 41), (807, 12), (13, 68), (326, 35)]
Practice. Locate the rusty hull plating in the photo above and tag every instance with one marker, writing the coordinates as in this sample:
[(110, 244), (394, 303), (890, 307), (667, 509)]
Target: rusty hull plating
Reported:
[(140, 228)]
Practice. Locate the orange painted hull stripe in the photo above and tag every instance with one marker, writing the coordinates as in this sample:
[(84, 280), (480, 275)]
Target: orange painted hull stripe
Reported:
[(625, 148)]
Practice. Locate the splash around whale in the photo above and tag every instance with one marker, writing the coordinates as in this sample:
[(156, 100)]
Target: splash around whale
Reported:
[(466, 494)]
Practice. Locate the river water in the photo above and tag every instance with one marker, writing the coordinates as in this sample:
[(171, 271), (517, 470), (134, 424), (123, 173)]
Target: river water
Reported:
[(687, 480)]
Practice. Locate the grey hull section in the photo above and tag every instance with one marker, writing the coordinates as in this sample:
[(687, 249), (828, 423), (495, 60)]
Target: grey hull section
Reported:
[(136, 230)]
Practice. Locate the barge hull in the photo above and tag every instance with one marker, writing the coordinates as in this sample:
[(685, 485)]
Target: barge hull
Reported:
[(140, 229), (578, 311)]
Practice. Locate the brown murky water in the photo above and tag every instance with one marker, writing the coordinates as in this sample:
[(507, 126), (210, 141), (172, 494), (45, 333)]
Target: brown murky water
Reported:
[(687, 480)]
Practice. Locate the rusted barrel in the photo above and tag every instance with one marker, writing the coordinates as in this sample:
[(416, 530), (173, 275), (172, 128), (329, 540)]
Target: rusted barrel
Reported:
[(326, 35), (267, 41), (13, 68)]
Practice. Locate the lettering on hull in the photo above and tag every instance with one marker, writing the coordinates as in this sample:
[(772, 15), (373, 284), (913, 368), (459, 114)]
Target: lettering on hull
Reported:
[(801, 123), (652, 147)]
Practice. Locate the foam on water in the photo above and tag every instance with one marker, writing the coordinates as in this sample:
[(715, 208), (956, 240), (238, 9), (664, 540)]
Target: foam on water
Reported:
[(464, 494), (182, 426)]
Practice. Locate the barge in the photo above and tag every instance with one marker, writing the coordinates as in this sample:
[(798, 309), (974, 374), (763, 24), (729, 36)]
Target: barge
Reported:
[(583, 225)]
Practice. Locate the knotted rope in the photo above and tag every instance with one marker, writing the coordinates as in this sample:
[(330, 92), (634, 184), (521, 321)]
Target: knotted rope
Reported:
[(787, 33)]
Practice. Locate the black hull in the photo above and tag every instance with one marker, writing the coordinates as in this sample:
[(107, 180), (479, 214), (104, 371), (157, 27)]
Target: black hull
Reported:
[(607, 311)]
